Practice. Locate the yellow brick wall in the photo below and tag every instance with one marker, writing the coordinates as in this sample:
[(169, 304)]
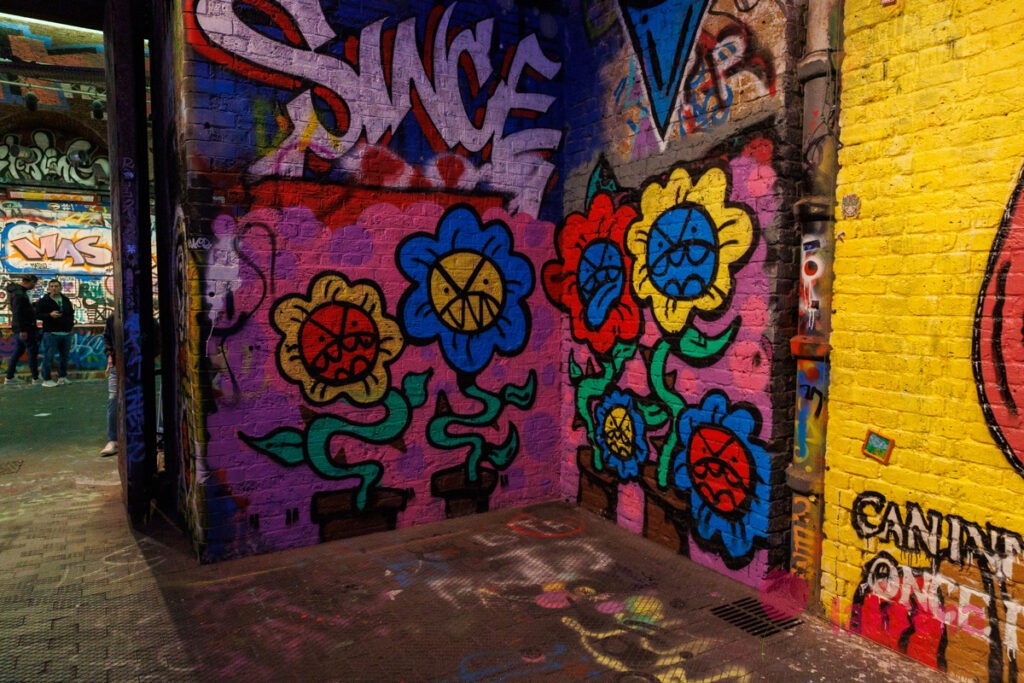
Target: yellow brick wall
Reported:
[(932, 133)]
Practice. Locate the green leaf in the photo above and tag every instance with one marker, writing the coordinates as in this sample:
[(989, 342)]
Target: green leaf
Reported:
[(286, 444), (654, 415), (621, 352), (521, 397), (700, 350), (601, 180), (575, 371), (415, 387), (502, 456)]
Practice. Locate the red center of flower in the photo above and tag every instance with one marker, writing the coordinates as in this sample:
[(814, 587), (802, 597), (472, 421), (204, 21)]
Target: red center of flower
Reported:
[(720, 469), (339, 343)]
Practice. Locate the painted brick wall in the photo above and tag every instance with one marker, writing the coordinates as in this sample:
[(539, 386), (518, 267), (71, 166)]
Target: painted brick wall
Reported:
[(924, 483), (676, 268), (365, 344), (54, 172), (389, 313), (55, 235)]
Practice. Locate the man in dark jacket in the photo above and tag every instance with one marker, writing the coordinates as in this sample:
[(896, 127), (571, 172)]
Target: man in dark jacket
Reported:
[(23, 327), (58, 316)]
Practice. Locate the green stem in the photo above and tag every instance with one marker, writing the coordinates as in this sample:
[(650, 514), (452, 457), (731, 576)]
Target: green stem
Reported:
[(493, 404), (291, 447), (672, 400)]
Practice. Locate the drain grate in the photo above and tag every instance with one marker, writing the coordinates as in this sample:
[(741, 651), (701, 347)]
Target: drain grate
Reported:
[(748, 615), (11, 467)]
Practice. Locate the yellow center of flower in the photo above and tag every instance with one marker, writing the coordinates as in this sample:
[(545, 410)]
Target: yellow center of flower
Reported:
[(466, 291), (618, 432)]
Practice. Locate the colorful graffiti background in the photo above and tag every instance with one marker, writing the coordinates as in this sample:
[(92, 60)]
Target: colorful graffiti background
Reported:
[(70, 241)]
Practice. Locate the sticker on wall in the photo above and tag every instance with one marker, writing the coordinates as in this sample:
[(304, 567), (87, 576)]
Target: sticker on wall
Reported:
[(877, 447)]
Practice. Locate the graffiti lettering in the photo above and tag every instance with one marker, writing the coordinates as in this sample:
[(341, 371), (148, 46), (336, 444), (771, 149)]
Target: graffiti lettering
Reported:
[(67, 247), (874, 516), (966, 589), (81, 251), (392, 79), (79, 165)]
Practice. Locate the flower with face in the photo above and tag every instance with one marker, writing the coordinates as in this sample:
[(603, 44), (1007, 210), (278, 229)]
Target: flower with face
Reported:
[(687, 243), (336, 341), (619, 433), (726, 469), (468, 290), (591, 278)]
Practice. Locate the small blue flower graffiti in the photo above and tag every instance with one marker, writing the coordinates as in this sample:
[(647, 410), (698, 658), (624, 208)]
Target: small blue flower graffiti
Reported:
[(619, 433), (468, 290), (727, 470)]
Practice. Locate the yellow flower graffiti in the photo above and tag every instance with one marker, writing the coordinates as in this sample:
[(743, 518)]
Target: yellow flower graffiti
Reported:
[(686, 244), (337, 340)]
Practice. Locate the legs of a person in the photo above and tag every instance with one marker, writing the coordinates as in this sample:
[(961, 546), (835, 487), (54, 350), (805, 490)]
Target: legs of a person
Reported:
[(12, 362), (33, 354), (47, 355), (63, 347), (112, 405)]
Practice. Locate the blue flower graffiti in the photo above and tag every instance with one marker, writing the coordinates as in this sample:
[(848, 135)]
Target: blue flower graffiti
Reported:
[(619, 434), (726, 469), (468, 290)]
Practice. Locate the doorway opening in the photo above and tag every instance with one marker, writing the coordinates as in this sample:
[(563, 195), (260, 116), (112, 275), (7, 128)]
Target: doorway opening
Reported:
[(78, 207)]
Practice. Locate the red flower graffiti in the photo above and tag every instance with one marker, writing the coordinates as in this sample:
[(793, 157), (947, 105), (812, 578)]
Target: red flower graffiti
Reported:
[(337, 340), (591, 278)]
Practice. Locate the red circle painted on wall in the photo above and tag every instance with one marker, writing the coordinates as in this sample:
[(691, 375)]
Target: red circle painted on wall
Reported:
[(339, 343), (720, 469), (998, 349)]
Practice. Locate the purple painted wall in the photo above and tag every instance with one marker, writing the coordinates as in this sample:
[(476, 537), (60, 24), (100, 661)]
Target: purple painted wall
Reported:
[(677, 268), (480, 255), (367, 345)]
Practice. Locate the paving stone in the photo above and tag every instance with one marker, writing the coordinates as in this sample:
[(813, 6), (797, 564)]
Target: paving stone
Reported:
[(85, 597)]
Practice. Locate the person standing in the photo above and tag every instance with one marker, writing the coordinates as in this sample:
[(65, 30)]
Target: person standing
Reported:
[(58, 316), (108, 347), (23, 327)]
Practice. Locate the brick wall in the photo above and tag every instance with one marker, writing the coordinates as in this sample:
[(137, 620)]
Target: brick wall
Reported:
[(366, 343), (924, 477), (680, 178), (388, 313)]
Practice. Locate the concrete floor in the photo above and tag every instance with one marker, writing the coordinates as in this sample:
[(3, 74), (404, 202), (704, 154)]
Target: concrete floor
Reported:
[(546, 593)]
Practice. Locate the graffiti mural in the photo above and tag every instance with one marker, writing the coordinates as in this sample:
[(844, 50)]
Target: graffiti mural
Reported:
[(79, 163), (363, 325), (26, 42), (661, 296), (68, 238), (483, 135), (950, 593), (998, 337), (693, 67), (662, 35)]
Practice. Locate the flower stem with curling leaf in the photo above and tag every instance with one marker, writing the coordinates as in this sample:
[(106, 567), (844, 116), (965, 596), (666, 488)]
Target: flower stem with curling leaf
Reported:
[(589, 387), (290, 446), (480, 450), (672, 400)]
